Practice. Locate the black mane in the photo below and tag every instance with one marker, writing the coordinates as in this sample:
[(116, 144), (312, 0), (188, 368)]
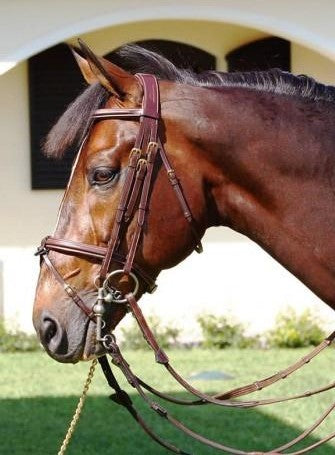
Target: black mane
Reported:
[(73, 124), (275, 80)]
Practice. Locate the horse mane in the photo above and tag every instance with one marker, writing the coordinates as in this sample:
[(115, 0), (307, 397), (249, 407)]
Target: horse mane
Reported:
[(73, 125), (139, 59)]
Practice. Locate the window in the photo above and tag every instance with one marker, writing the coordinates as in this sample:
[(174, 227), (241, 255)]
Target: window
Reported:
[(54, 81)]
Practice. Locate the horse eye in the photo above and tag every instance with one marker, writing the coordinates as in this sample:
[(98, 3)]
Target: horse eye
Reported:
[(102, 175)]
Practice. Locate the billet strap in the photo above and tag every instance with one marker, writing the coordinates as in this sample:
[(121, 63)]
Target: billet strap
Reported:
[(140, 174)]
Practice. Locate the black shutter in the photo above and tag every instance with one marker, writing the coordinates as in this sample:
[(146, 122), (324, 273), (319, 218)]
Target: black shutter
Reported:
[(54, 81), (261, 55)]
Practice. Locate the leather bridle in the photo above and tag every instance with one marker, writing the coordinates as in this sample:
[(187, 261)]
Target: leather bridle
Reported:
[(134, 202), (136, 187)]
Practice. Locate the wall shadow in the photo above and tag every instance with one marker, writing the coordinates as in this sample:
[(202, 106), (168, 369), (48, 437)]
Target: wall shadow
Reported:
[(37, 426)]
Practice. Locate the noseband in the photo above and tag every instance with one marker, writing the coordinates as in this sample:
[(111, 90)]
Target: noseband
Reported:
[(138, 183), (136, 187)]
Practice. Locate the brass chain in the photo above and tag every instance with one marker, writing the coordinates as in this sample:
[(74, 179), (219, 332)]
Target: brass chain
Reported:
[(78, 410)]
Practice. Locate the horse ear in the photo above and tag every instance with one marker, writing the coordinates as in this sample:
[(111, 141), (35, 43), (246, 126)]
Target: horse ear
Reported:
[(84, 67), (117, 81)]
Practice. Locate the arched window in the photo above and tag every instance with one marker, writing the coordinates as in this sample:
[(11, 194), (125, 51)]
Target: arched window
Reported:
[(55, 80)]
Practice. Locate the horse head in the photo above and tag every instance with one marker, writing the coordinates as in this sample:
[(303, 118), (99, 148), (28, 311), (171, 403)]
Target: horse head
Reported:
[(90, 209)]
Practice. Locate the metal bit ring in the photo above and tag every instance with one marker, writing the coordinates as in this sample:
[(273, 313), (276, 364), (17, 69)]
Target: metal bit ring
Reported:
[(107, 288)]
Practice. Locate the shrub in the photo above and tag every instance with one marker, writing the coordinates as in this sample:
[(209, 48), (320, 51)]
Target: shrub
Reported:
[(17, 341), (219, 332), (166, 336), (294, 330)]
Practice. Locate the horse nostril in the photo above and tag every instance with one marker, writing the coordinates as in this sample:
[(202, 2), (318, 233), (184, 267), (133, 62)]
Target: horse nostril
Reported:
[(52, 335), (49, 330)]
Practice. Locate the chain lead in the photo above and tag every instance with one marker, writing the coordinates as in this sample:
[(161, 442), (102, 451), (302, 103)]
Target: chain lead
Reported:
[(78, 410)]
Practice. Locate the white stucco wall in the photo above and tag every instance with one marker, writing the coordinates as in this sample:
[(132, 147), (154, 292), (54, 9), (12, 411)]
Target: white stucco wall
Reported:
[(251, 282), (30, 26), (213, 37), (26, 215)]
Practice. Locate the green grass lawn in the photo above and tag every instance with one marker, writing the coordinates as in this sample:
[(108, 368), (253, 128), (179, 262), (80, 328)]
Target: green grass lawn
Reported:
[(38, 396)]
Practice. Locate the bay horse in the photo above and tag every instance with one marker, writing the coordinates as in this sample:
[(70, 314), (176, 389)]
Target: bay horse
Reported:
[(252, 151)]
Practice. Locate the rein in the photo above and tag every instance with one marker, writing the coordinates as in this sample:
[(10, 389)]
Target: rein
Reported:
[(133, 204)]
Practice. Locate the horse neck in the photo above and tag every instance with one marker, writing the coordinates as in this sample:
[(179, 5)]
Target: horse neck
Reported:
[(276, 185)]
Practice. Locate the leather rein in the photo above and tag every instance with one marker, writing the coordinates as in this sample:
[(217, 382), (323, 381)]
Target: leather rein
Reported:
[(134, 202)]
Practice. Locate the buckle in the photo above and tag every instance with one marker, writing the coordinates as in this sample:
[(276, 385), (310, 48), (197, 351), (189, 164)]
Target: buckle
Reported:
[(41, 250)]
